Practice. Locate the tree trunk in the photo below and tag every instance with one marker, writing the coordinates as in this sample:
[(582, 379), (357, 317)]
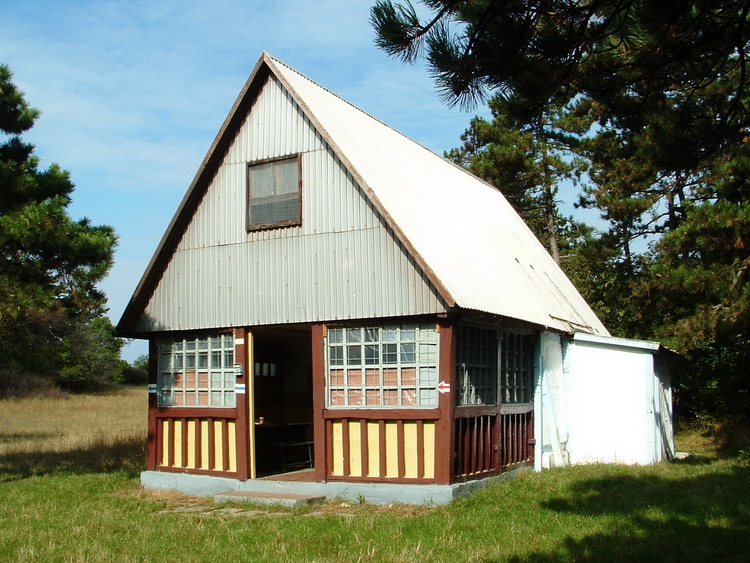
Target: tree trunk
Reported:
[(549, 203)]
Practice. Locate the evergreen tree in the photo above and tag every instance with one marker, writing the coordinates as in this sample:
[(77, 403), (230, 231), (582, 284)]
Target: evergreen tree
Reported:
[(526, 163), (640, 60), (50, 264), (665, 85)]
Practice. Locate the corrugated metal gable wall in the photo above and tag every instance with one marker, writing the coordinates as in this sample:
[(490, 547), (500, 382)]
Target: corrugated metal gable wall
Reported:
[(342, 262)]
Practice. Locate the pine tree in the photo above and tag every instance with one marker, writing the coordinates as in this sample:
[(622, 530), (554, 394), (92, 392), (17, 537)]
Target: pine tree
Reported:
[(527, 163), (49, 263), (668, 156)]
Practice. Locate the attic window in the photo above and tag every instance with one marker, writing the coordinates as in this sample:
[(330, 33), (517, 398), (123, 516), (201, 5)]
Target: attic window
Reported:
[(274, 194)]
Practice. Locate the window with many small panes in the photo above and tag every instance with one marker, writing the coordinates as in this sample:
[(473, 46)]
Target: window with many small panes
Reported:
[(197, 372), (382, 366), (476, 369), (517, 367)]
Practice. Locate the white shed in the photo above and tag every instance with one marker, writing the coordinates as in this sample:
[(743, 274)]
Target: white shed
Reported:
[(604, 400)]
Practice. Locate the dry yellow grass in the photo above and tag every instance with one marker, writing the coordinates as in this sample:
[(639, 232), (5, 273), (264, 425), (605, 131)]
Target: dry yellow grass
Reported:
[(74, 432)]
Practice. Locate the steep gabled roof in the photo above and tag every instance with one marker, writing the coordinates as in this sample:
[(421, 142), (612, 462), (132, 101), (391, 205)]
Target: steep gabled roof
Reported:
[(462, 232)]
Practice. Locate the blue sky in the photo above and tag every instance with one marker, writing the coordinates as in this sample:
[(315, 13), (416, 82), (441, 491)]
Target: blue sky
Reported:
[(132, 93)]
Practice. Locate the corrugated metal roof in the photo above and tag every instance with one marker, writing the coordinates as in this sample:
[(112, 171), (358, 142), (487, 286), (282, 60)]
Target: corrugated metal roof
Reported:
[(462, 231)]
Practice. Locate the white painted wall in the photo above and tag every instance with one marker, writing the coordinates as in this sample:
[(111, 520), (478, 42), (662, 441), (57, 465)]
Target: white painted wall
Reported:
[(617, 410)]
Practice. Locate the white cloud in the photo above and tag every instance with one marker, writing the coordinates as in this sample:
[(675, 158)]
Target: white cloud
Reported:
[(132, 93)]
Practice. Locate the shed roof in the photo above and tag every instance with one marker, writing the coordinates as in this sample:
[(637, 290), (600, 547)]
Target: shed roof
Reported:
[(462, 232)]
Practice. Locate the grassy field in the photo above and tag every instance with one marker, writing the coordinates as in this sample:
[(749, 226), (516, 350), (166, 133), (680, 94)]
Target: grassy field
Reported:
[(69, 492)]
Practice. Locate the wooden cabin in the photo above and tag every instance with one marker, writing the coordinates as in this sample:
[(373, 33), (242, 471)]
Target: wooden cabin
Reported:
[(332, 303)]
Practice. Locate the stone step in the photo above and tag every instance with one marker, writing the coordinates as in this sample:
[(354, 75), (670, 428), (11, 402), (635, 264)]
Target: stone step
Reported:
[(259, 497)]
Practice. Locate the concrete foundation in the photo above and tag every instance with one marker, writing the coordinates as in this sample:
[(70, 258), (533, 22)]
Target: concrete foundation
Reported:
[(372, 493)]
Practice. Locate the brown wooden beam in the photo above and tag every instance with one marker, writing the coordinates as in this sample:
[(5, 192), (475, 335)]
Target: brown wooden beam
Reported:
[(382, 414), (243, 425), (211, 444), (445, 427), (345, 446), (170, 445), (401, 447), (184, 442), (323, 460), (153, 444), (225, 445)]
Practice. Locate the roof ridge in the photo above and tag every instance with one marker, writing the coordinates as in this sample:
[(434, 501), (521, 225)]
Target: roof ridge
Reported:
[(347, 102)]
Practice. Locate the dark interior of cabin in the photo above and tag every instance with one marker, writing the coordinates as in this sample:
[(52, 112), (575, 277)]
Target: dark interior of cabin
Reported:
[(283, 410)]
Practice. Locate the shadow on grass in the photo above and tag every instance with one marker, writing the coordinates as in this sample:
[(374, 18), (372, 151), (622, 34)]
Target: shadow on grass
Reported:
[(697, 518), (696, 459), (125, 454), (13, 436)]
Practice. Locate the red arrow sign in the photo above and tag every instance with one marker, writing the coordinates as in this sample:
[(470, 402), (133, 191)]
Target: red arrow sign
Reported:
[(444, 387)]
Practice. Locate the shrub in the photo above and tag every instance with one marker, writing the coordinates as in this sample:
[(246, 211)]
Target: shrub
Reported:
[(17, 384)]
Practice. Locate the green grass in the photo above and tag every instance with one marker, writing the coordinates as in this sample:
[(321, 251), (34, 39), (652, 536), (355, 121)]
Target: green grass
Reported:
[(61, 507)]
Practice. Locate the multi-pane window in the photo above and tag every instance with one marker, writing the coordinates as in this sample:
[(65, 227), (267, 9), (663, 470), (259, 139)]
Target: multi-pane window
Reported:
[(387, 366), (197, 372), (477, 366), (516, 367), (274, 194)]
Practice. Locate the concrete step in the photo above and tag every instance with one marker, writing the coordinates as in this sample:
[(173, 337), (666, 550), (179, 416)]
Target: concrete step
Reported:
[(258, 497)]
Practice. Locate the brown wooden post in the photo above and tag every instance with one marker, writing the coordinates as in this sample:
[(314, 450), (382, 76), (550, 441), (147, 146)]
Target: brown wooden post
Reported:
[(401, 462), (183, 442), (319, 400), (212, 464), (345, 439), (530, 441), (383, 469), (445, 431), (153, 371), (171, 461), (420, 449), (242, 400)]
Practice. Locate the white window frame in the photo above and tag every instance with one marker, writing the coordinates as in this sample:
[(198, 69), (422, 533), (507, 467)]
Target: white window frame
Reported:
[(382, 367), (197, 371)]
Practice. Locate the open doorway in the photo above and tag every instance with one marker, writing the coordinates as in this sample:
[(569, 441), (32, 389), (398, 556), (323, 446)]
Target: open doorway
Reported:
[(283, 402)]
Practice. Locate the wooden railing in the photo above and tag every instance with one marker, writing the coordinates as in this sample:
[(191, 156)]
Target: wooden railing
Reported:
[(380, 445), (198, 440), (476, 445), (516, 436), (491, 443)]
